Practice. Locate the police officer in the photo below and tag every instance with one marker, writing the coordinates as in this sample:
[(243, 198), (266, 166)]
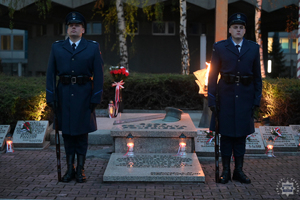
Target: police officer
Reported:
[(79, 66), (236, 95)]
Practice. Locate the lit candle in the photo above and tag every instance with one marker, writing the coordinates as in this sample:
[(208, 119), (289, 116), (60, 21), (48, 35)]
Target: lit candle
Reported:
[(182, 146), (207, 73)]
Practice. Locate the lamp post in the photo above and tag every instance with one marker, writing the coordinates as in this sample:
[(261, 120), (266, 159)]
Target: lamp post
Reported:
[(182, 145), (130, 145)]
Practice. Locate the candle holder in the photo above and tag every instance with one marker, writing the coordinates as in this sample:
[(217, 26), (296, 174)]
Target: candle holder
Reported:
[(111, 109), (182, 145), (9, 145), (130, 145), (270, 145)]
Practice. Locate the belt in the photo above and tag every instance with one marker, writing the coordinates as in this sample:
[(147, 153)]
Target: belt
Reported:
[(80, 80), (231, 78)]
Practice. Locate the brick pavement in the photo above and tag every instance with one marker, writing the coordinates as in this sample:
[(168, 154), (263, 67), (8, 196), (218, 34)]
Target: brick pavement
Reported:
[(31, 174)]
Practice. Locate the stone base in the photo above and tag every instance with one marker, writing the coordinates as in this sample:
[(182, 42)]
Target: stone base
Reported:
[(151, 167), (46, 144)]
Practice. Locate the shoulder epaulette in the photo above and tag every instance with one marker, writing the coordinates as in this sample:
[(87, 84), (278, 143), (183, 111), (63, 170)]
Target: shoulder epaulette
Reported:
[(57, 41), (221, 41), (93, 41), (252, 42)]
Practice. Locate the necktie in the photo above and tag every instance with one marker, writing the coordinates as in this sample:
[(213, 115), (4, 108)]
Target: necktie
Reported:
[(237, 47), (73, 46)]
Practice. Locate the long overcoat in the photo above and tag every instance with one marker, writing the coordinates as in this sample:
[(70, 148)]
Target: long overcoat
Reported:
[(234, 100), (75, 116)]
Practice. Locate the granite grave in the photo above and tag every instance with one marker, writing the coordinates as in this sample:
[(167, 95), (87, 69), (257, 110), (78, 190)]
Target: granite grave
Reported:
[(296, 132), (32, 135), (151, 167), (281, 144), (4, 129)]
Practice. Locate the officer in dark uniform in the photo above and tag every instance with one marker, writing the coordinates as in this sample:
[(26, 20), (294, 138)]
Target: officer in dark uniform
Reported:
[(79, 66), (236, 95)]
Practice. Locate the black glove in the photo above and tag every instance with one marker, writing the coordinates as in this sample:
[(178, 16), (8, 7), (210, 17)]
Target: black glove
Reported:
[(214, 109), (93, 106), (254, 110)]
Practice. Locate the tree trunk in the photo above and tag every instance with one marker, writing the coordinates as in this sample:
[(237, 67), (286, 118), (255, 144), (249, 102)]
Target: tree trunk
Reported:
[(258, 35), (185, 55), (122, 32)]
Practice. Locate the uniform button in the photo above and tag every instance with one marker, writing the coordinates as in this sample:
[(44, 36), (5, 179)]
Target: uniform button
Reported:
[(238, 72), (237, 96), (237, 84), (72, 95), (73, 59), (72, 71), (239, 60)]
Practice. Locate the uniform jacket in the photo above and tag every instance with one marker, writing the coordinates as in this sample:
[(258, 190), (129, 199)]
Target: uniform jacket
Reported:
[(235, 100), (74, 114)]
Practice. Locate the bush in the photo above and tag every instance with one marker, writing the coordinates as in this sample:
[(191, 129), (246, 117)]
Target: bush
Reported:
[(22, 99), (280, 101)]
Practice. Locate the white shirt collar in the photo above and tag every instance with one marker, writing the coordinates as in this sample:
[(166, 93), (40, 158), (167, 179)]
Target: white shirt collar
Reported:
[(77, 43)]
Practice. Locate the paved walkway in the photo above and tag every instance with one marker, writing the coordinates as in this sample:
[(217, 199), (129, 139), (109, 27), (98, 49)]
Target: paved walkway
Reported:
[(31, 174)]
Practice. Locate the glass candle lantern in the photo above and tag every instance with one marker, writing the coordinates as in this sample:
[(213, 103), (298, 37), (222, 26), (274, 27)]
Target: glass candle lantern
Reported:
[(111, 109), (182, 145), (130, 145), (9, 145), (270, 145)]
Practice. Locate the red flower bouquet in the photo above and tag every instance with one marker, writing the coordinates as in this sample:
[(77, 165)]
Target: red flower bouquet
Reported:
[(118, 73), (26, 127)]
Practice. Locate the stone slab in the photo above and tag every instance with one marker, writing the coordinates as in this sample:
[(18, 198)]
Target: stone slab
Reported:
[(254, 143), (202, 145), (35, 139), (147, 167), (154, 136), (4, 129), (281, 144), (296, 132)]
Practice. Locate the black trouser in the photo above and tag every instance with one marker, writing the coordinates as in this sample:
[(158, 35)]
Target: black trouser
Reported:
[(237, 145), (76, 144)]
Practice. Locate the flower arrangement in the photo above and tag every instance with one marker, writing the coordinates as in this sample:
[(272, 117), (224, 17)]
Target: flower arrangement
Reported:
[(118, 73), (210, 135), (277, 133), (249, 137), (26, 127)]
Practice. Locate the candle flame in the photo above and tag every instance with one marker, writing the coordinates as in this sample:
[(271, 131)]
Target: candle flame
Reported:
[(130, 144), (182, 144), (270, 147), (207, 73)]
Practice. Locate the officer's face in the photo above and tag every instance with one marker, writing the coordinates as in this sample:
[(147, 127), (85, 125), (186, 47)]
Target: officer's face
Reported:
[(237, 31), (75, 30)]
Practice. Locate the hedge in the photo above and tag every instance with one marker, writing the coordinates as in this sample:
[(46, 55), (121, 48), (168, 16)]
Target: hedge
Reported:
[(281, 101), (23, 98)]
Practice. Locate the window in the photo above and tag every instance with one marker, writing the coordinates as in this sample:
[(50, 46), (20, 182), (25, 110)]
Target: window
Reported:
[(284, 44), (18, 42), (163, 28), (94, 28), (5, 42), (295, 46)]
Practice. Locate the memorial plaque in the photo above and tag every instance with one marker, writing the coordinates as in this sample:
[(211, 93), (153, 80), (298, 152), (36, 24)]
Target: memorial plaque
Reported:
[(153, 136), (30, 135), (154, 167), (254, 143), (281, 144), (204, 145), (296, 132), (4, 129)]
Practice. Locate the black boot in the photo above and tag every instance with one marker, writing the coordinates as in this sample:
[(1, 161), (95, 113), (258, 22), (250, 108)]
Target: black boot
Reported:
[(80, 176), (70, 173), (238, 173), (226, 175)]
